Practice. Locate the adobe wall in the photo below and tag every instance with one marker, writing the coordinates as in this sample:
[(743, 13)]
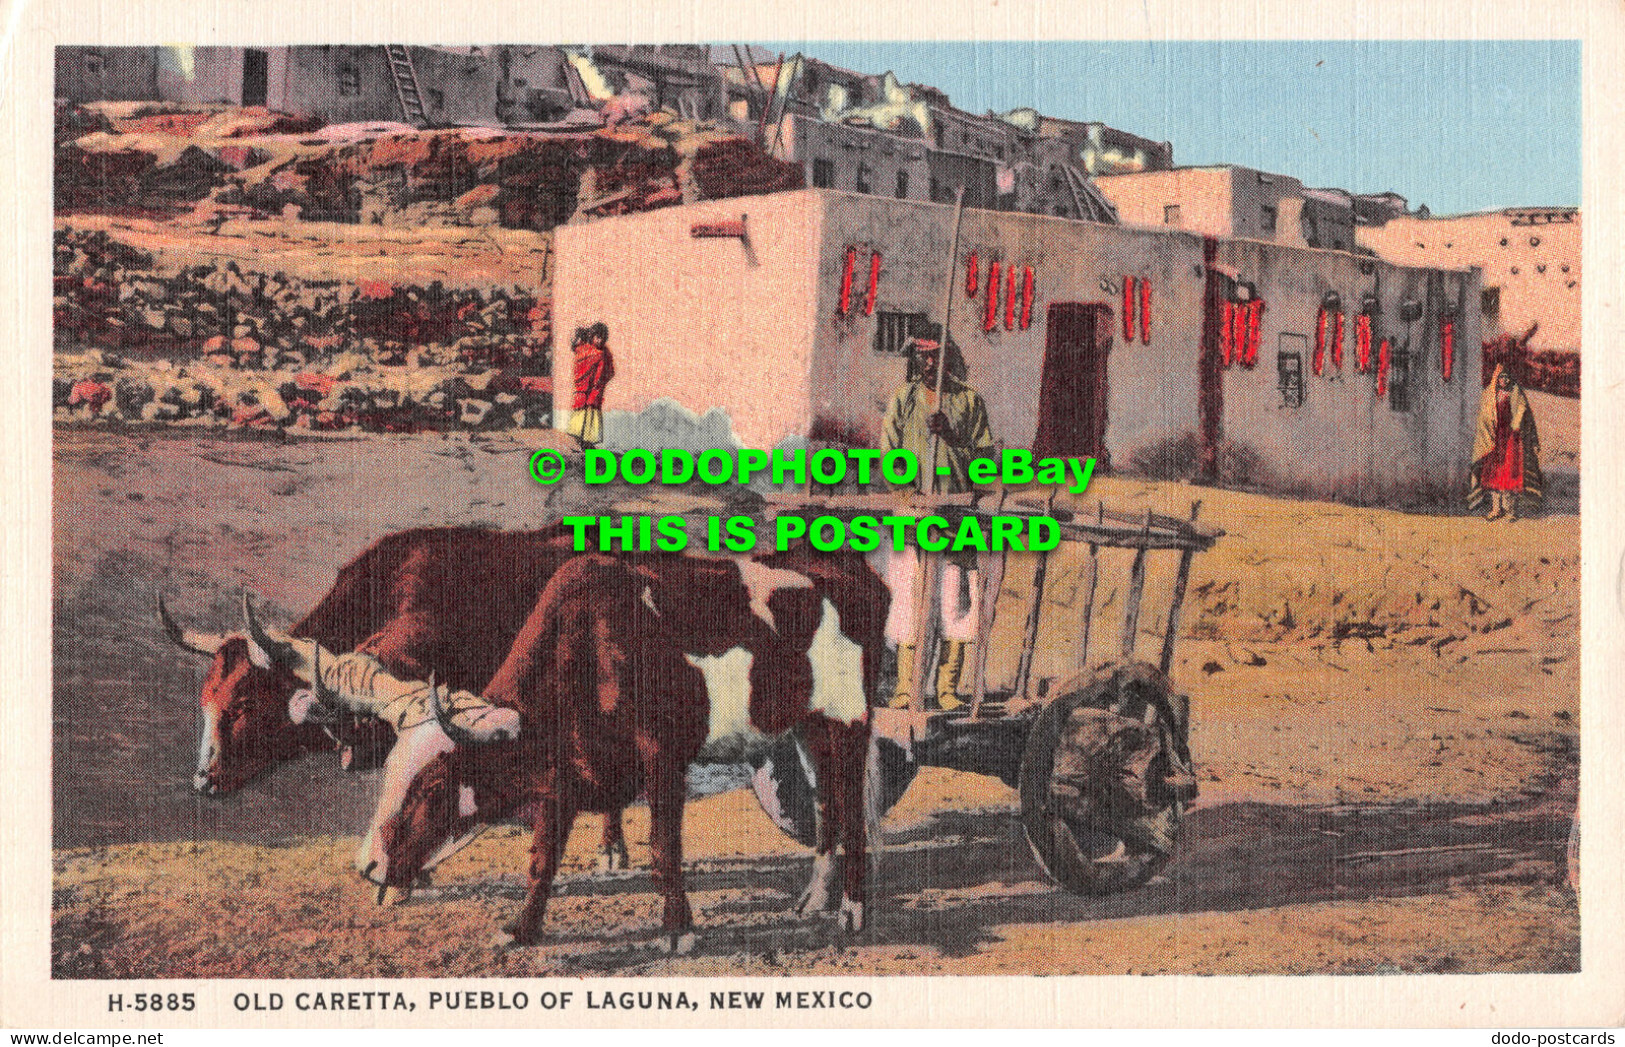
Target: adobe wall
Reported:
[(1345, 442), (310, 84), (216, 76), (1151, 388), (1536, 267), (706, 322), (1204, 195), (765, 337), (114, 74)]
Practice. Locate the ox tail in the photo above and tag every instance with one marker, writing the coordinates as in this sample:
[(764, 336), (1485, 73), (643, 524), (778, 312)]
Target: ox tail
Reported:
[(453, 845), (873, 804)]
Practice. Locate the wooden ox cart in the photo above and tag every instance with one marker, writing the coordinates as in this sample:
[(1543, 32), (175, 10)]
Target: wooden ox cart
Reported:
[(1101, 757)]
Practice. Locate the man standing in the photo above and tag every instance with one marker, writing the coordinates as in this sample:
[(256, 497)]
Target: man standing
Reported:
[(594, 368), (958, 420)]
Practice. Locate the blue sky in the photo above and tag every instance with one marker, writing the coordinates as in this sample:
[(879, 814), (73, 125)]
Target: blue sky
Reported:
[(1460, 126)]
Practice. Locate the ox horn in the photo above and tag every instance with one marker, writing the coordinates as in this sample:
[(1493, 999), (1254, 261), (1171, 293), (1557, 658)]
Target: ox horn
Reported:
[(206, 644), (274, 651), (459, 736)]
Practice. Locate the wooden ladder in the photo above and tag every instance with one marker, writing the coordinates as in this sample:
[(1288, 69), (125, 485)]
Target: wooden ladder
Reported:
[(406, 84), (1092, 203)]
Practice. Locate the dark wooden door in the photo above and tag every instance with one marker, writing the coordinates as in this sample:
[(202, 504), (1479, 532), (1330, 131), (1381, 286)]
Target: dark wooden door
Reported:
[(1072, 392), (255, 70)]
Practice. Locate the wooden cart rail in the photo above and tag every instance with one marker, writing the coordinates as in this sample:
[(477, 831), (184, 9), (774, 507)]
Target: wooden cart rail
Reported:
[(1105, 528), (1101, 759)]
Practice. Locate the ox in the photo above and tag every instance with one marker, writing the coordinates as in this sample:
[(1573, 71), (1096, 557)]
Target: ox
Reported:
[(629, 669), (447, 601)]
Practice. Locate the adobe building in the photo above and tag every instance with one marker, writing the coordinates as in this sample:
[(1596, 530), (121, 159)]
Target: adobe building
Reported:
[(797, 330), (870, 134), (1106, 150), (680, 78), (485, 86), (1530, 258), (1231, 201)]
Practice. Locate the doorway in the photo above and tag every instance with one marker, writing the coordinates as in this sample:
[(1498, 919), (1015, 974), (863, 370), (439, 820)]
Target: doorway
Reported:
[(255, 76), (1072, 392)]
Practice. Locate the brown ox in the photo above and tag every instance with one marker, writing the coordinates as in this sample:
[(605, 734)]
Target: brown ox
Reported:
[(444, 601), (627, 671)]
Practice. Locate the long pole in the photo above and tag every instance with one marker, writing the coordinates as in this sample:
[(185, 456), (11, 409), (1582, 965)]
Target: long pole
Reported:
[(947, 314), (796, 64), (747, 77), (925, 573), (767, 106)]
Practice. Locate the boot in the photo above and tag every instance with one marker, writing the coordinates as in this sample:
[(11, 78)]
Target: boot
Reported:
[(903, 696), (949, 672)]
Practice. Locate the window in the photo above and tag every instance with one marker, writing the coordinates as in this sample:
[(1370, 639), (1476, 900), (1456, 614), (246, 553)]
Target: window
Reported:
[(1289, 368), (902, 185), (93, 63), (862, 182), (1267, 216), (1489, 303), (436, 98), (1399, 380), (823, 174), (1170, 214), (895, 329), (349, 81)]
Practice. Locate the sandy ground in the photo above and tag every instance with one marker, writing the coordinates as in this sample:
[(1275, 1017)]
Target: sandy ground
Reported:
[(1385, 724)]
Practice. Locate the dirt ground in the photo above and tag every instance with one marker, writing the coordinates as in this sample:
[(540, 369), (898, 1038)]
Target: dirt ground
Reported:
[(1385, 724)]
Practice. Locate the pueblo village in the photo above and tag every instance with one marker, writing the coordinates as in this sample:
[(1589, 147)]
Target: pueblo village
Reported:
[(1295, 690)]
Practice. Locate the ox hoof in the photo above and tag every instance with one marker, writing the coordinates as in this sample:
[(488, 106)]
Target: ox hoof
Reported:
[(515, 936), (851, 916), (391, 895), (676, 944), (815, 899), (503, 939), (819, 897)]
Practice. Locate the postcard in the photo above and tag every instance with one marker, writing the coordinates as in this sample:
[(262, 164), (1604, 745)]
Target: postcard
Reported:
[(1009, 514)]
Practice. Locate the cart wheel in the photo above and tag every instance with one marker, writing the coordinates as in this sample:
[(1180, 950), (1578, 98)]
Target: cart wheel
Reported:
[(787, 787), (1105, 779)]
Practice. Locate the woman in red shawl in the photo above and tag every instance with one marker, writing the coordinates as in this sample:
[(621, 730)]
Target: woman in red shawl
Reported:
[(1506, 450), (594, 368)]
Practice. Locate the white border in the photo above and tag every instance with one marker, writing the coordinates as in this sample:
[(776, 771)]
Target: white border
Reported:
[(29, 998)]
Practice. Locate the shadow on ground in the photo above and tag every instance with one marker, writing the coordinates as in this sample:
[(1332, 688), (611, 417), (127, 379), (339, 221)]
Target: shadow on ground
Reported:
[(951, 882)]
